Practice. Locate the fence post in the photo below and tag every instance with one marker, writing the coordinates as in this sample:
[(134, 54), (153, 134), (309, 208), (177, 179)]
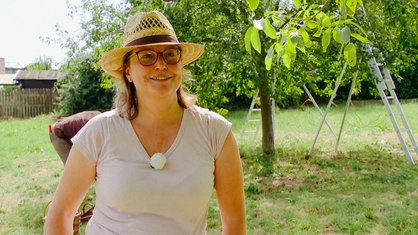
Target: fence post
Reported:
[(25, 103)]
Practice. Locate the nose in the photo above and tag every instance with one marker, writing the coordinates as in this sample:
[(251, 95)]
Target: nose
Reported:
[(160, 63)]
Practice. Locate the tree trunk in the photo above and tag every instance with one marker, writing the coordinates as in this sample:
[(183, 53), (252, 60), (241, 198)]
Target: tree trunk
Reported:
[(266, 117)]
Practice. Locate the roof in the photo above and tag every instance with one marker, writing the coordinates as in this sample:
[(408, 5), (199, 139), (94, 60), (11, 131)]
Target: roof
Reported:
[(39, 75), (7, 79)]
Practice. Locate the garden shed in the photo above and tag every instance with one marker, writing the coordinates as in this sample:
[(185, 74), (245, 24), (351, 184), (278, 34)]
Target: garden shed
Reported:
[(28, 79)]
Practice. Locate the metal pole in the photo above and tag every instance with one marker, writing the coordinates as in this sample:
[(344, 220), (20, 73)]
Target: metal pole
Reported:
[(334, 93), (353, 83), (319, 109)]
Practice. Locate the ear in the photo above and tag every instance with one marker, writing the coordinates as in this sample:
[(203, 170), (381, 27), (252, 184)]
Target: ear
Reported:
[(127, 72)]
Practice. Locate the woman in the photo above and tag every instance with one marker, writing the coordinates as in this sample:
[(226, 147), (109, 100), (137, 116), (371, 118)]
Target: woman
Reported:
[(157, 156)]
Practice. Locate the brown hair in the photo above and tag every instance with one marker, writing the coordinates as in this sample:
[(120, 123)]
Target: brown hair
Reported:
[(126, 100)]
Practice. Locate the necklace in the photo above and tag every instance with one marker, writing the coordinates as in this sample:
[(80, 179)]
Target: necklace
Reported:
[(158, 161)]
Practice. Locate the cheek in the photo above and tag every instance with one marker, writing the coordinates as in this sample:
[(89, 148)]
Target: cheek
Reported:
[(135, 73)]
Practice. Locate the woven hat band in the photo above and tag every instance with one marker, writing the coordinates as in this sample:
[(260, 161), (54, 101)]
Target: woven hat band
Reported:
[(153, 39)]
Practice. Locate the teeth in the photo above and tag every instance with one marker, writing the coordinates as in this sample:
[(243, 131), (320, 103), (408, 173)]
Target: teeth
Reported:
[(160, 78)]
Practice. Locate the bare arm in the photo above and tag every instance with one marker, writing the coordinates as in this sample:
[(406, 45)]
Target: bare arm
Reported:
[(78, 175), (229, 186)]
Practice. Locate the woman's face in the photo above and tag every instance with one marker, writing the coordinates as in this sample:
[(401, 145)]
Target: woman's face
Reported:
[(159, 79)]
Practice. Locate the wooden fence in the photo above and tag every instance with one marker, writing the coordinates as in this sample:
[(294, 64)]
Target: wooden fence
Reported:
[(26, 103)]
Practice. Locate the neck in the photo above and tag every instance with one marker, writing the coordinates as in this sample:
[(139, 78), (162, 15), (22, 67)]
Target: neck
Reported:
[(159, 112)]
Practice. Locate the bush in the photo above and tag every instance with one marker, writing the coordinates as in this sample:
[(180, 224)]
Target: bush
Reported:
[(83, 88)]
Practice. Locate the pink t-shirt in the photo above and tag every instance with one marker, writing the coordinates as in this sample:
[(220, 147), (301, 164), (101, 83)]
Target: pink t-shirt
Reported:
[(132, 197)]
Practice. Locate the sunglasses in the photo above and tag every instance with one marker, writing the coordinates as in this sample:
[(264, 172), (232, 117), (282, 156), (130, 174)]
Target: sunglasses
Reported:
[(149, 57)]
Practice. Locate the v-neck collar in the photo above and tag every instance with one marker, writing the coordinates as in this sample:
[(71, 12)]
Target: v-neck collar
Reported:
[(140, 148)]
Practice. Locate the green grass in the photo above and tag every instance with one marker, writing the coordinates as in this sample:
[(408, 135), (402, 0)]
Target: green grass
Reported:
[(367, 186)]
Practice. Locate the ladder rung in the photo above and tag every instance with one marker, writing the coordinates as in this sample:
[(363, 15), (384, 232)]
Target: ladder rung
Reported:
[(249, 131), (411, 149), (256, 109), (254, 120)]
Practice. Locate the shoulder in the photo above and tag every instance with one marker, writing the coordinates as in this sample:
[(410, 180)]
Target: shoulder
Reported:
[(102, 125), (106, 118), (108, 115), (205, 114)]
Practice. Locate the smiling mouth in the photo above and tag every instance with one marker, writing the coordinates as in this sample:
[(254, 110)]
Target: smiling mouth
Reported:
[(160, 78)]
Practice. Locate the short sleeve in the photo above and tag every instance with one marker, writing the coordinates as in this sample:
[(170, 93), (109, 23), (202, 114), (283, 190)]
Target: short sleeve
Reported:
[(90, 139), (219, 128)]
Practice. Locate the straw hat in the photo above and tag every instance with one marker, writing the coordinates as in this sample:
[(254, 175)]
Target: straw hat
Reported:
[(147, 29)]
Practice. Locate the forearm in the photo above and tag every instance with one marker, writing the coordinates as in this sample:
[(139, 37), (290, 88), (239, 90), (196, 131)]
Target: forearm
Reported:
[(58, 223), (237, 228)]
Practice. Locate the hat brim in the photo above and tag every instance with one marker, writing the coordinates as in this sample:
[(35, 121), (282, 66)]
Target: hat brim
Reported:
[(112, 61)]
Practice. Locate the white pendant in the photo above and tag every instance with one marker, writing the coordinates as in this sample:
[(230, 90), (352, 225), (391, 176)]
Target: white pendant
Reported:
[(158, 161)]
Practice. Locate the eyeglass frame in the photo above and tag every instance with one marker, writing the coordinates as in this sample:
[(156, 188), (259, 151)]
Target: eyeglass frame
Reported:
[(159, 53)]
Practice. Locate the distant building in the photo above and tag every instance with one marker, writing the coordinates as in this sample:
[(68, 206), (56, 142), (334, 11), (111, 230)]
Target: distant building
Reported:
[(12, 76), (8, 69), (37, 78), (7, 80), (7, 74)]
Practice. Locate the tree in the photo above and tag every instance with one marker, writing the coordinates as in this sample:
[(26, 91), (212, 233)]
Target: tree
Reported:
[(394, 24), (217, 73), (85, 86), (82, 88), (298, 27), (226, 70), (41, 63)]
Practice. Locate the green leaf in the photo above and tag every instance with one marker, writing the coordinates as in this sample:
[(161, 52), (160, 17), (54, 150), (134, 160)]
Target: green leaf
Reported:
[(318, 33), (326, 39), (302, 49), (289, 54), (305, 36), (361, 38), (343, 10), (295, 37), (298, 41), (341, 22), (278, 48), (350, 54), (269, 29), (287, 61), (311, 24), (360, 2), (351, 7), (252, 38), (276, 19), (247, 40), (326, 21), (269, 57), (345, 34), (297, 3), (320, 16), (253, 4), (336, 34), (255, 39)]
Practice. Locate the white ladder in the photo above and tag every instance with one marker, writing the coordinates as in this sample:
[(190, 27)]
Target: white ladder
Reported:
[(385, 85), (252, 124)]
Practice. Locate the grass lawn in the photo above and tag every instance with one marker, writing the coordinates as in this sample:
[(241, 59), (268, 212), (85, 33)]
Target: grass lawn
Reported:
[(367, 186)]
